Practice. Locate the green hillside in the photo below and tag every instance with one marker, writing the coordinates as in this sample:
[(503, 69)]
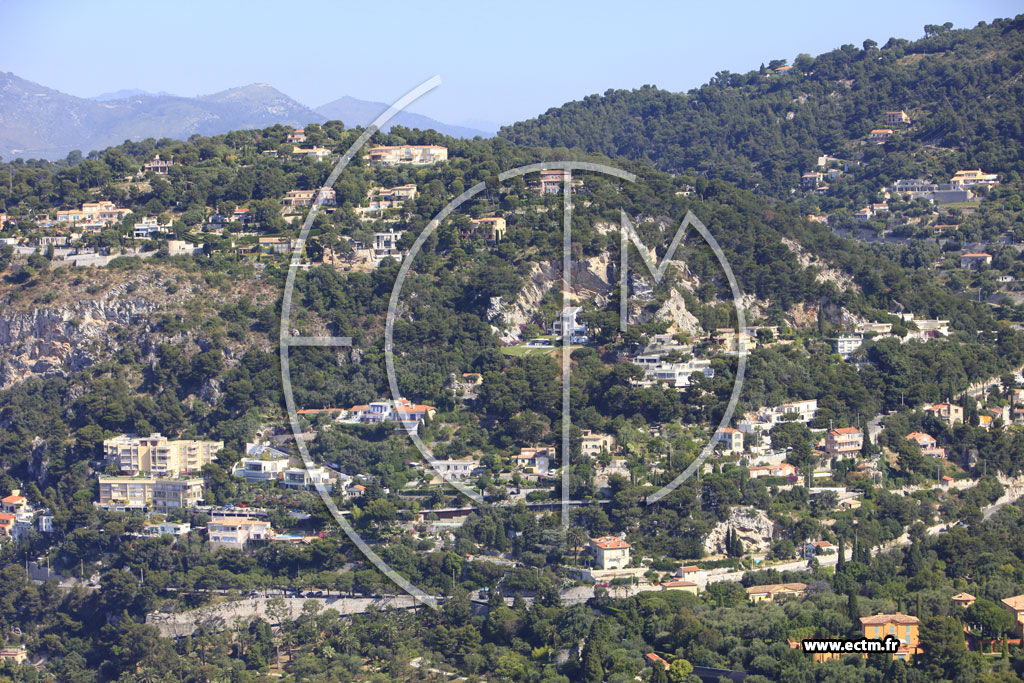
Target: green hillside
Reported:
[(963, 90)]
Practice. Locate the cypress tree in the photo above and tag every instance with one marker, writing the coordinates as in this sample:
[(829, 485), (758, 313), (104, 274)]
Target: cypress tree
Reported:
[(841, 561), (852, 608)]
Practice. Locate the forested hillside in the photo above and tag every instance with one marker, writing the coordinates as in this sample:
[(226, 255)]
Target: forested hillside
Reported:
[(962, 88), (179, 333)]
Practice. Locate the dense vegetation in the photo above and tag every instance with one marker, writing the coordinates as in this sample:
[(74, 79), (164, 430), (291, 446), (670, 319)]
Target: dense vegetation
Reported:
[(208, 367), (764, 128)]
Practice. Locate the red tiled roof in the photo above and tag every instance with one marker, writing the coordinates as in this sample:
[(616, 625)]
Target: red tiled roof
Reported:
[(610, 543), (845, 430)]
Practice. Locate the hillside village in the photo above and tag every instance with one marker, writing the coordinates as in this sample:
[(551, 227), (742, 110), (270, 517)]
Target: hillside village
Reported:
[(156, 472)]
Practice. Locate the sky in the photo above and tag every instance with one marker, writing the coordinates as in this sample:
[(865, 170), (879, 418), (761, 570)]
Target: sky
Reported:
[(499, 62)]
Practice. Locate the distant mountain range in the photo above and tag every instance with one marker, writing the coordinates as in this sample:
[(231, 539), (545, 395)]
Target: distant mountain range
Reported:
[(39, 122)]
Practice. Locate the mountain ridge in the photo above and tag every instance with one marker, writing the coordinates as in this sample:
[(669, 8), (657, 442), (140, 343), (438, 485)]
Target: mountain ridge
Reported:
[(40, 122)]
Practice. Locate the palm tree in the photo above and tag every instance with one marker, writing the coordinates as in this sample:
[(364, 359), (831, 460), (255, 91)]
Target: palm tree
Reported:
[(575, 537)]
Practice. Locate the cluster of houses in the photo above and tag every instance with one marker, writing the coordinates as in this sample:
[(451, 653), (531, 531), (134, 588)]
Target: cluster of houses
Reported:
[(18, 517), (920, 330)]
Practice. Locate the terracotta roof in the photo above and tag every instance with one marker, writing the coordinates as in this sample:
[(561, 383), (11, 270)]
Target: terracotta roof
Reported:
[(652, 658), (963, 597), (1016, 603), (13, 499), (690, 568), (610, 543), (919, 437), (6, 519), (678, 583), (845, 430), (979, 255), (881, 619)]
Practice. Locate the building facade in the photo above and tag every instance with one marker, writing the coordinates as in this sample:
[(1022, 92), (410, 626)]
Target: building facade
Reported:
[(157, 455)]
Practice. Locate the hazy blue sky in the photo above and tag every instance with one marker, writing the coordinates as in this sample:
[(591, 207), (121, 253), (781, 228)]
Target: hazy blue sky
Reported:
[(499, 62)]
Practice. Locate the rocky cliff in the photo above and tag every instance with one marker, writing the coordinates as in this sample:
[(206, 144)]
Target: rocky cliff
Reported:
[(66, 338)]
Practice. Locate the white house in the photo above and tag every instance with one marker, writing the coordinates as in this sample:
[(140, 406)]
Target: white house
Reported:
[(306, 478), (567, 322)]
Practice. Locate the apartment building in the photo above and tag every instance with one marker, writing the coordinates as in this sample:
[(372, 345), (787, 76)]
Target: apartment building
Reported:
[(610, 552), (418, 155), (142, 492), (846, 345), (157, 455), (237, 532), (844, 442)]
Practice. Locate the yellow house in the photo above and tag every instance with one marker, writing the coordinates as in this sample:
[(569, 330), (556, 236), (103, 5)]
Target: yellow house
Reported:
[(1016, 607), (610, 552), (772, 592), (594, 444), (492, 228), (964, 600), (900, 626)]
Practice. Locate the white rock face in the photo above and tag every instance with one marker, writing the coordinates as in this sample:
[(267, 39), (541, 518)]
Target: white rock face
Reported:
[(753, 527)]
